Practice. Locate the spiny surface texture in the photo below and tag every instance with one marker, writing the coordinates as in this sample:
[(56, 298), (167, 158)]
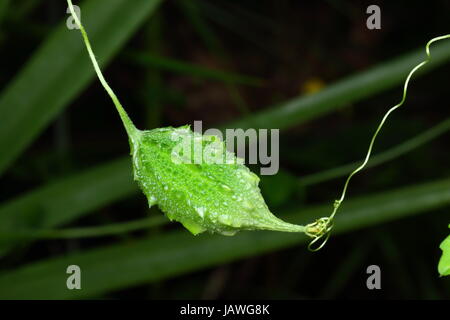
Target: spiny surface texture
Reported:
[(207, 190)]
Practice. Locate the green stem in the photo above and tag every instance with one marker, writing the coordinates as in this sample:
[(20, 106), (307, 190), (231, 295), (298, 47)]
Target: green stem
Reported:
[(132, 131)]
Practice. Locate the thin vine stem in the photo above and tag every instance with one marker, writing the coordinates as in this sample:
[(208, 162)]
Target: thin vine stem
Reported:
[(327, 223), (129, 126)]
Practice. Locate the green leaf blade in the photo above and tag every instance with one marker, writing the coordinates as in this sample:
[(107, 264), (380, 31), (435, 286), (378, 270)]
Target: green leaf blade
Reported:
[(217, 194), (444, 262)]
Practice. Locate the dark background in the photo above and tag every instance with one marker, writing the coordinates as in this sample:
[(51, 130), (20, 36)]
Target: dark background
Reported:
[(289, 46)]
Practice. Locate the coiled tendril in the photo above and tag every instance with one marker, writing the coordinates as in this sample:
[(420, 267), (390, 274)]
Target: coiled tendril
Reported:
[(321, 228)]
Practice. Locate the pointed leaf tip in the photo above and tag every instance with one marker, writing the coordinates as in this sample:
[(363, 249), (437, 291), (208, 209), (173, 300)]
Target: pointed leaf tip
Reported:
[(194, 180)]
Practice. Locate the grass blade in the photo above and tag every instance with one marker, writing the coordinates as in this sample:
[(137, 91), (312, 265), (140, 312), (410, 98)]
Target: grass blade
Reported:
[(148, 59), (70, 198), (165, 256), (88, 232), (349, 90), (379, 158)]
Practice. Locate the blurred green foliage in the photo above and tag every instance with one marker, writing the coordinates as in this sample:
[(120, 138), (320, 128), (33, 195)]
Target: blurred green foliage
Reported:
[(231, 65)]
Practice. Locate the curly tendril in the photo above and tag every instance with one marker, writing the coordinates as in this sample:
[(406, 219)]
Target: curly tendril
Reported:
[(321, 228)]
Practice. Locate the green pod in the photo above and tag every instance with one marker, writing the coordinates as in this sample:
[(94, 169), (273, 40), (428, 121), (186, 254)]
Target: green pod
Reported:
[(194, 180), (215, 192)]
